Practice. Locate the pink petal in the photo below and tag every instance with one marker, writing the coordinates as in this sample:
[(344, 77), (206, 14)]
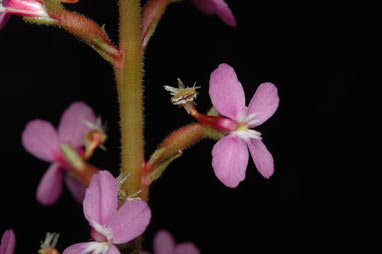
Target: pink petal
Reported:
[(40, 139), (261, 157), (76, 188), (164, 243), (8, 242), (186, 248), (206, 6), (76, 248), (230, 160), (130, 221), (50, 186), (72, 127), (217, 6), (4, 16), (224, 12), (100, 201), (264, 103), (226, 92)]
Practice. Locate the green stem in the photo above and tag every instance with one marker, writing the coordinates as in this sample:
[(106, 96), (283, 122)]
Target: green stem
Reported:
[(129, 82)]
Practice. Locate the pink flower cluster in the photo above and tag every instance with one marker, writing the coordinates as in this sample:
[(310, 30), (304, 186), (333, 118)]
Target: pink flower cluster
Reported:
[(42, 140)]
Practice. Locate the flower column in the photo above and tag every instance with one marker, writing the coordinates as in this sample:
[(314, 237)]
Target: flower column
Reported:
[(129, 82)]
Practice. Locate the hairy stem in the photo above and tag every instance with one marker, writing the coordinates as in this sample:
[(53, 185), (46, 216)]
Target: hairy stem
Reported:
[(129, 83)]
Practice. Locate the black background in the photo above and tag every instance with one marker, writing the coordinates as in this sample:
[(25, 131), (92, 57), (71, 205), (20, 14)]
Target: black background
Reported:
[(321, 58)]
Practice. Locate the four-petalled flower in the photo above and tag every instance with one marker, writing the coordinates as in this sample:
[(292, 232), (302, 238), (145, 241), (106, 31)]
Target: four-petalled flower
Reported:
[(230, 154), (110, 225), (219, 7), (43, 141)]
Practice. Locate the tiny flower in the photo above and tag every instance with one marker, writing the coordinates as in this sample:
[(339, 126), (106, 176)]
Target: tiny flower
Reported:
[(230, 154), (219, 7), (110, 225), (164, 243), (8, 242), (41, 140), (28, 8)]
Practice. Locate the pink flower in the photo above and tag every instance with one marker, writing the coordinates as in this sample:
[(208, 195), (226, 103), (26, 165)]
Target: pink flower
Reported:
[(219, 7), (43, 141), (28, 8), (8, 242), (230, 154), (164, 243), (110, 226)]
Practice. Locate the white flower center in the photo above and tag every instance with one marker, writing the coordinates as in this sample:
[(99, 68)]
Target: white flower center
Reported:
[(103, 231), (242, 130), (97, 248)]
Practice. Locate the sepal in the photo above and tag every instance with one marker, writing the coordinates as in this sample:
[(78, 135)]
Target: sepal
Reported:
[(80, 168)]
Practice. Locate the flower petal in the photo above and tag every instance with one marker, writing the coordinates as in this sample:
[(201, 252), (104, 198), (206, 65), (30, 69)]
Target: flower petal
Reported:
[(164, 243), (40, 139), (217, 6), (77, 248), (186, 248), (130, 221), (4, 16), (72, 127), (8, 242), (226, 92), (264, 103), (100, 201), (224, 12), (230, 160), (50, 186), (261, 157), (76, 188)]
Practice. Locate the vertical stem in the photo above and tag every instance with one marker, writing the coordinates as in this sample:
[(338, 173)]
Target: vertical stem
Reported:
[(129, 82)]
